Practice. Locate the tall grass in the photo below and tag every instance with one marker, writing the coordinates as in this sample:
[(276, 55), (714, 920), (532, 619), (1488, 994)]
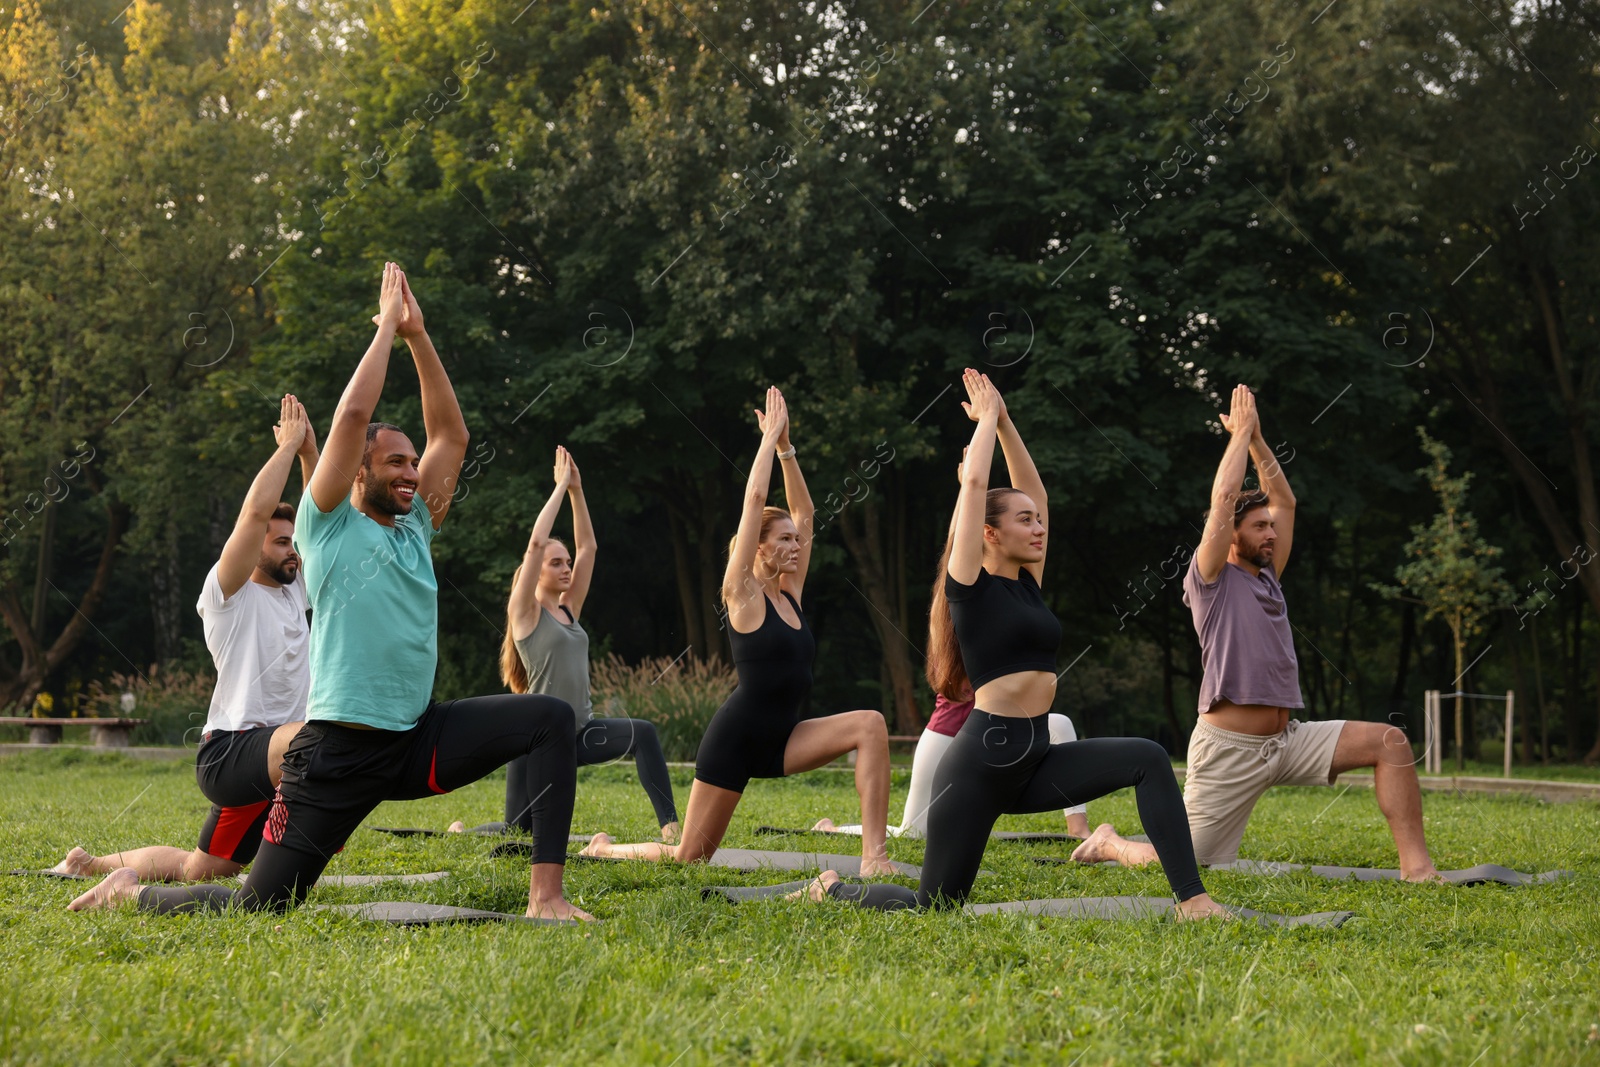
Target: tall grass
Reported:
[(175, 701), (677, 696)]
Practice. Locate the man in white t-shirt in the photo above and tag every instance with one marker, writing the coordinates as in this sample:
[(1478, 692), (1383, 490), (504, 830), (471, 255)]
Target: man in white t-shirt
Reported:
[(253, 605)]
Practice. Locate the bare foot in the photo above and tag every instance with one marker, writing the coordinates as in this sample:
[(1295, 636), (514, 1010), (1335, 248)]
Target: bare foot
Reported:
[(875, 868), (1104, 844), (1078, 826), (818, 889), (669, 833), (120, 885), (598, 845), (825, 825), (1430, 874), (1201, 907), (558, 908), (77, 862), (457, 827)]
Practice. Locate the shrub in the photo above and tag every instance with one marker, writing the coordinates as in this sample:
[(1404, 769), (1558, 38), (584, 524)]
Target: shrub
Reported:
[(677, 697), (175, 701)]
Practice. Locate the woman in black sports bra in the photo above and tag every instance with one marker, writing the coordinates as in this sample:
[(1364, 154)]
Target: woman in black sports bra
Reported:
[(989, 625), (757, 733)]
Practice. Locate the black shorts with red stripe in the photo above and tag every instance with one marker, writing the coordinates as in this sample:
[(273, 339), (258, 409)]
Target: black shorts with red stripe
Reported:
[(231, 768), (335, 774), (234, 833)]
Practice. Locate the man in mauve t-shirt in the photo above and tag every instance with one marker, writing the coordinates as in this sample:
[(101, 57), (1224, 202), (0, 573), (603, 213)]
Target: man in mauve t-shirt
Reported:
[(1245, 741)]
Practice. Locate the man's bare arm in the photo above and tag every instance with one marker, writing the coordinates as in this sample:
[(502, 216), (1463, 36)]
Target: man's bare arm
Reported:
[(1281, 497), (1218, 536), (347, 436), (243, 548), (441, 415)]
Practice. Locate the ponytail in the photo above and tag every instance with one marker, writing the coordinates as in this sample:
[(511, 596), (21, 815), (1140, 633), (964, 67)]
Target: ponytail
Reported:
[(512, 670), (946, 672)]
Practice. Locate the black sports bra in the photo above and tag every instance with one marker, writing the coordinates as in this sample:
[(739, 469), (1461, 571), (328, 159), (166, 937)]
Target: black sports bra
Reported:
[(1002, 625)]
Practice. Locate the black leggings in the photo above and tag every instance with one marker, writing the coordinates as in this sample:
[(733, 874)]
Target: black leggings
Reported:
[(999, 765), (334, 775), (599, 741)]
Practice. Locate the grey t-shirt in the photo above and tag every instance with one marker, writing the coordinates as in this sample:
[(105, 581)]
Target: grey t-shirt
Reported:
[(1246, 647), (556, 657)]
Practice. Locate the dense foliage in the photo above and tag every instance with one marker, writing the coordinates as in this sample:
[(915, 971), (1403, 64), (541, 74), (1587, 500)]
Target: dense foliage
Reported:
[(623, 221)]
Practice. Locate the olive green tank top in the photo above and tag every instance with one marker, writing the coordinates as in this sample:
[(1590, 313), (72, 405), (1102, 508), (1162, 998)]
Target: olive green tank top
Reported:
[(556, 657)]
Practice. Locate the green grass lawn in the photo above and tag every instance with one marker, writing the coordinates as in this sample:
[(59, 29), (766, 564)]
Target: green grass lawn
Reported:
[(1425, 974)]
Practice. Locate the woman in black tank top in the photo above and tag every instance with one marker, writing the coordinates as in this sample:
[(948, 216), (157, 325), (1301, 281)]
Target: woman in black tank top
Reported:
[(991, 628), (757, 733)]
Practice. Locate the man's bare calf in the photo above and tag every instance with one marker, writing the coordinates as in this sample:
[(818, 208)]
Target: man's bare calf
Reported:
[(153, 863)]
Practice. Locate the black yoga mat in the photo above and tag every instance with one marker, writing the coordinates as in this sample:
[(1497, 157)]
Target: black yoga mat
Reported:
[(409, 913), (51, 874)]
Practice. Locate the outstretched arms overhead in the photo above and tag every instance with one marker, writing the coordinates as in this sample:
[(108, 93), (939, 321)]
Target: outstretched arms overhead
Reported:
[(347, 436), (739, 576), (983, 407), (1241, 425), (525, 587), (440, 468), (243, 549)]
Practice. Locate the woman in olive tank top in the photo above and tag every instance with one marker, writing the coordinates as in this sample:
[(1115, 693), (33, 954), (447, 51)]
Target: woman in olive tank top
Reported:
[(546, 651)]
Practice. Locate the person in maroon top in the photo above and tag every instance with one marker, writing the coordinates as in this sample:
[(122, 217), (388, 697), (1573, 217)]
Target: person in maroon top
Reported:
[(1245, 741)]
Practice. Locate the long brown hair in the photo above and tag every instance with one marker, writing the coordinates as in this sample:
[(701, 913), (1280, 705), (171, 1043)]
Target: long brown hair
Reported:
[(512, 670), (946, 673), (769, 515)]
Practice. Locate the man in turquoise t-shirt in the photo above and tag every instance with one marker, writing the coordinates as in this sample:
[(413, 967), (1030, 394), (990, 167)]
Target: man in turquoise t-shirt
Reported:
[(373, 731)]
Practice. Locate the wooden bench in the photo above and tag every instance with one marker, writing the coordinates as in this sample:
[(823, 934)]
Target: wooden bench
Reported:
[(103, 733)]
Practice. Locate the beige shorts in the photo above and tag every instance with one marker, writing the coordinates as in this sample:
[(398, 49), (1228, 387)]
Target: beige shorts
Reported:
[(1229, 771)]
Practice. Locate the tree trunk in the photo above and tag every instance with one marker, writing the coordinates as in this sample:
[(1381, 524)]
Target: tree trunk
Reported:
[(1397, 695), (1572, 706), (1538, 680), (863, 539), (41, 574), (166, 596), (1525, 720), (1461, 652), (712, 564), (1594, 753), (688, 592), (38, 661), (1169, 704)]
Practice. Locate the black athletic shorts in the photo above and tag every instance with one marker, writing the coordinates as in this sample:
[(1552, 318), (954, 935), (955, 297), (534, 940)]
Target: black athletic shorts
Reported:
[(335, 774), (231, 768)]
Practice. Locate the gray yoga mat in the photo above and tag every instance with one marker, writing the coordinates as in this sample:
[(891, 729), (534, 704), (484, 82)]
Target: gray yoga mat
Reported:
[(998, 835), (751, 859), (1482, 873), (1132, 908), (1119, 909), (378, 879), (412, 831), (410, 913)]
